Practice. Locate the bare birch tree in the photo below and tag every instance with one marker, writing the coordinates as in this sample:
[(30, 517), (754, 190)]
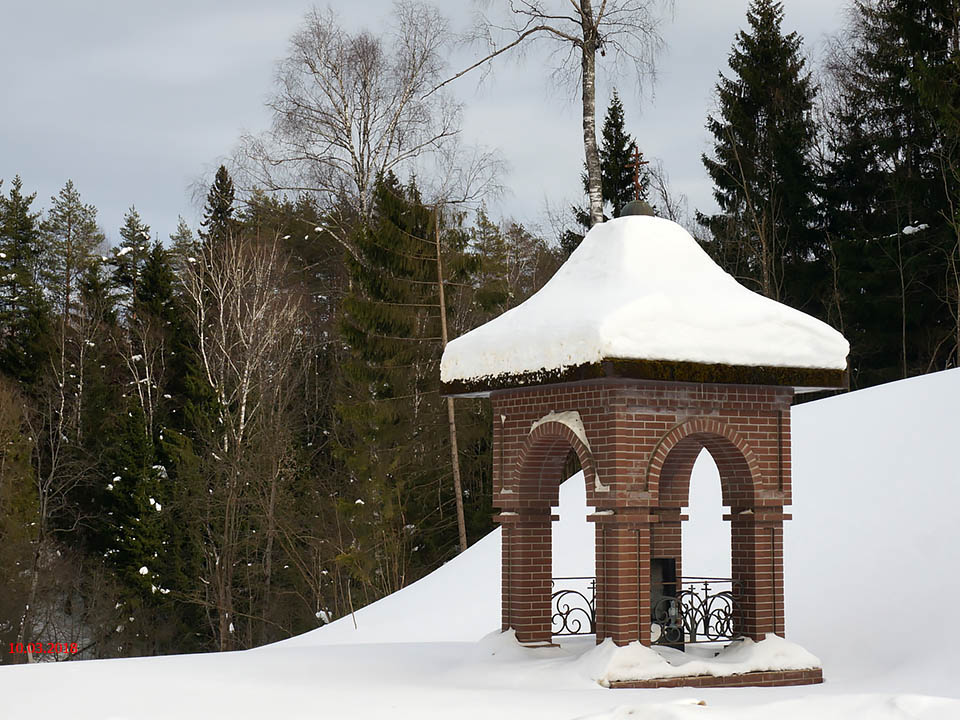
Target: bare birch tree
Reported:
[(627, 30), (246, 324), (351, 106)]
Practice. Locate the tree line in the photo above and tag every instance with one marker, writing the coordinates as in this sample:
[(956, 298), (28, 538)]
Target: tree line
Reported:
[(837, 186), (235, 434)]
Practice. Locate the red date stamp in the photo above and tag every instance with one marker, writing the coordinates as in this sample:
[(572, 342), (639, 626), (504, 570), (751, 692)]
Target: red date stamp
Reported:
[(39, 648)]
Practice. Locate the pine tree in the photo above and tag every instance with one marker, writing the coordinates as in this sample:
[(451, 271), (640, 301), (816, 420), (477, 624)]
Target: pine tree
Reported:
[(218, 213), (184, 413), (617, 150), (24, 313), (764, 181), (71, 238), (493, 291)]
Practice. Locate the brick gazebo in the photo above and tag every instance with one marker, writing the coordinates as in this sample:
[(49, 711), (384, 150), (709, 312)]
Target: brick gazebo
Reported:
[(635, 356)]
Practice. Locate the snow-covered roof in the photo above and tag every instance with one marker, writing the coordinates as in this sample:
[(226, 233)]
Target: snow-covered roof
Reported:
[(641, 288)]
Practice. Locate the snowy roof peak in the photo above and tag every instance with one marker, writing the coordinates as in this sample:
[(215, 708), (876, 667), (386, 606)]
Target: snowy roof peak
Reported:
[(640, 288)]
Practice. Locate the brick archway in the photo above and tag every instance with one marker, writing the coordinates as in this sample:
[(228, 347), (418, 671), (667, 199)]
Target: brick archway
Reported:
[(755, 513), (672, 460), (528, 494), (537, 473)]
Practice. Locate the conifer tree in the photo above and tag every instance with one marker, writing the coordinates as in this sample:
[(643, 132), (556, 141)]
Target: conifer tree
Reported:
[(616, 158), (888, 197), (184, 243), (128, 259), (71, 238), (218, 212), (392, 419), (616, 150), (761, 167), (24, 314)]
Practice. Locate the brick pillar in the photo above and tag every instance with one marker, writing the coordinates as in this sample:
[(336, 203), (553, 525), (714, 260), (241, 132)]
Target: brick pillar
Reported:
[(757, 565), (525, 574), (623, 577)]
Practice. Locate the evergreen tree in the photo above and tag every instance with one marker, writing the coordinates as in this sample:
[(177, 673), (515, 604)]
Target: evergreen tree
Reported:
[(71, 239), (24, 314), (129, 258), (493, 291), (763, 176), (617, 151), (889, 199), (184, 412), (218, 212), (392, 439), (184, 243)]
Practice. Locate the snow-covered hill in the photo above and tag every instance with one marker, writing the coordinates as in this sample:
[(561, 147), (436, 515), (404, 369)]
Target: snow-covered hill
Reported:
[(872, 585)]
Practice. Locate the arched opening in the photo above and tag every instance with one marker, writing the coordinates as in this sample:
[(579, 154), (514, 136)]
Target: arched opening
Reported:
[(705, 537), (573, 588), (697, 586), (549, 582)]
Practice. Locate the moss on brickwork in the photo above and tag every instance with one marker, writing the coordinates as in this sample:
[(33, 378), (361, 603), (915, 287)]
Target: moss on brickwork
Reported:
[(667, 370)]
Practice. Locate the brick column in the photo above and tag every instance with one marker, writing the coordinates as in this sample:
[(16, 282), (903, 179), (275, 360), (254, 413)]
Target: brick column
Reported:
[(757, 564), (526, 567), (623, 576)]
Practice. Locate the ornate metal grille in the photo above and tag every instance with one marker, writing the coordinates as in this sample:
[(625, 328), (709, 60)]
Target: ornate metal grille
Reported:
[(574, 606), (702, 610)]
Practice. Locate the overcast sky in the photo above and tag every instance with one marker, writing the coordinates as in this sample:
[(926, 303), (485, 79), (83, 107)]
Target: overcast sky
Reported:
[(136, 102)]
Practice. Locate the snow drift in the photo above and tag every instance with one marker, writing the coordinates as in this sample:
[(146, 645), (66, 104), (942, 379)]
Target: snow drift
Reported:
[(871, 586)]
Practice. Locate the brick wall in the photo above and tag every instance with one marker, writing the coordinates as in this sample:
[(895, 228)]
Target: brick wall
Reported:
[(637, 447)]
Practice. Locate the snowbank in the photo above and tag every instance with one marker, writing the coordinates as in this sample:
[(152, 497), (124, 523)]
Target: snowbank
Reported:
[(641, 287), (608, 663), (871, 561)]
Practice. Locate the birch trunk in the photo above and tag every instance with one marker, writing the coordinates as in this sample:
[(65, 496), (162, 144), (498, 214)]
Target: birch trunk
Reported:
[(589, 69)]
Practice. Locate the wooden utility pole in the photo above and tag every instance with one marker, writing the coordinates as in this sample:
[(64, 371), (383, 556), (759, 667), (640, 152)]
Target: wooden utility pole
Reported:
[(451, 416)]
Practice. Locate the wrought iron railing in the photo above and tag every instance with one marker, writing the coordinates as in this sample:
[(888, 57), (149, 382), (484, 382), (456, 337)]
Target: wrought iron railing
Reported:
[(690, 610), (574, 606), (701, 609)]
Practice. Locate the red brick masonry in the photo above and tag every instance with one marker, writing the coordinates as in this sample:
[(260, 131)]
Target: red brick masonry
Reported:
[(778, 678), (641, 438)]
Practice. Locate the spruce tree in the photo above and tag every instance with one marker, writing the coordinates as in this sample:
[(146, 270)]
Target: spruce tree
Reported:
[(392, 438), (218, 212), (128, 259), (617, 150), (24, 313), (761, 167), (888, 196)]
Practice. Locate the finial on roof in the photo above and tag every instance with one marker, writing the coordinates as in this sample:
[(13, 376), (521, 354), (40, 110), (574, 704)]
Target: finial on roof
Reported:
[(637, 206), (635, 163)]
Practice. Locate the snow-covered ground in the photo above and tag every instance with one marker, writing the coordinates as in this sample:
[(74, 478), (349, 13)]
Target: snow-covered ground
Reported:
[(872, 573)]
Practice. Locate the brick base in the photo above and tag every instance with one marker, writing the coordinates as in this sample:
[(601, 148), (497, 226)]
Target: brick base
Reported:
[(779, 678)]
